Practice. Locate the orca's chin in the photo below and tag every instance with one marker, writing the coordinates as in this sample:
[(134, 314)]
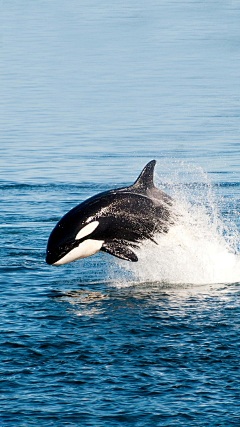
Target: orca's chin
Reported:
[(85, 249), (55, 255), (51, 259)]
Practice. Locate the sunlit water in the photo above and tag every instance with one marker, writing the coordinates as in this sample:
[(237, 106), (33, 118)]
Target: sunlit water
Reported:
[(90, 92)]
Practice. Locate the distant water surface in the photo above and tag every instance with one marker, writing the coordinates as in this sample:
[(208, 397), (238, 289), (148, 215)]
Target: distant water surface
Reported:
[(89, 93)]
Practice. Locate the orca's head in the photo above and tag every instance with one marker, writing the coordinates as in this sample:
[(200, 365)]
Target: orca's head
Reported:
[(71, 240)]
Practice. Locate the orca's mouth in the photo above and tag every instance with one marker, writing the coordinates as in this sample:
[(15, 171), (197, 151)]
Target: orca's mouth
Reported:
[(55, 254), (52, 258)]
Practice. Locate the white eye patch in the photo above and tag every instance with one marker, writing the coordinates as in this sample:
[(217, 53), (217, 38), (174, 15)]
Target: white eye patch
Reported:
[(88, 229)]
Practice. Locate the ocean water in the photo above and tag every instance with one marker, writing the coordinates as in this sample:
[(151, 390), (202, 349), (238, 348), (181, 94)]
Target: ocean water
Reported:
[(89, 93)]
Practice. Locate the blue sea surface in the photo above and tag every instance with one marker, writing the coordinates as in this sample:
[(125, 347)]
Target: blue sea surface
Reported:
[(89, 93)]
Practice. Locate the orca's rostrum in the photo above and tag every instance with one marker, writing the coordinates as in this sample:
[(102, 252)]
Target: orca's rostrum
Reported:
[(115, 221)]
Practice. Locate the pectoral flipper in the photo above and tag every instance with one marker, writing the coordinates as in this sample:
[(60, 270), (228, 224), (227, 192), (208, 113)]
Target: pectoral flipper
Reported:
[(120, 250)]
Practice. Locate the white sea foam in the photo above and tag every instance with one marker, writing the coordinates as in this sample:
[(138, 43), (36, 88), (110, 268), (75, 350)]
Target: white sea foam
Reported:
[(200, 248)]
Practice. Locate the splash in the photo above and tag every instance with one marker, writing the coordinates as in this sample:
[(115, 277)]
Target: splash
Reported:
[(200, 248)]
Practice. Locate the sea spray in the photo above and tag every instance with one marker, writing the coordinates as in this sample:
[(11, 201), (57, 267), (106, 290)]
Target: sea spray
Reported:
[(200, 248)]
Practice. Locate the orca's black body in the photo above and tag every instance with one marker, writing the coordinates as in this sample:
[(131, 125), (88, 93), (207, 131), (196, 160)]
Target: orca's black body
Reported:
[(115, 221)]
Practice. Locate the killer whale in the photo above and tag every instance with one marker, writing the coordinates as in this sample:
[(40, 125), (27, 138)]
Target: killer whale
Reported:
[(115, 221)]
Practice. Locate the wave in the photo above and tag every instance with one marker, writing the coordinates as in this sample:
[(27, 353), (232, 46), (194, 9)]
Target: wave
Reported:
[(202, 247)]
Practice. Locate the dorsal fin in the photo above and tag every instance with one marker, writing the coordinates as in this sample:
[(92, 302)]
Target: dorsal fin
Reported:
[(145, 179)]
